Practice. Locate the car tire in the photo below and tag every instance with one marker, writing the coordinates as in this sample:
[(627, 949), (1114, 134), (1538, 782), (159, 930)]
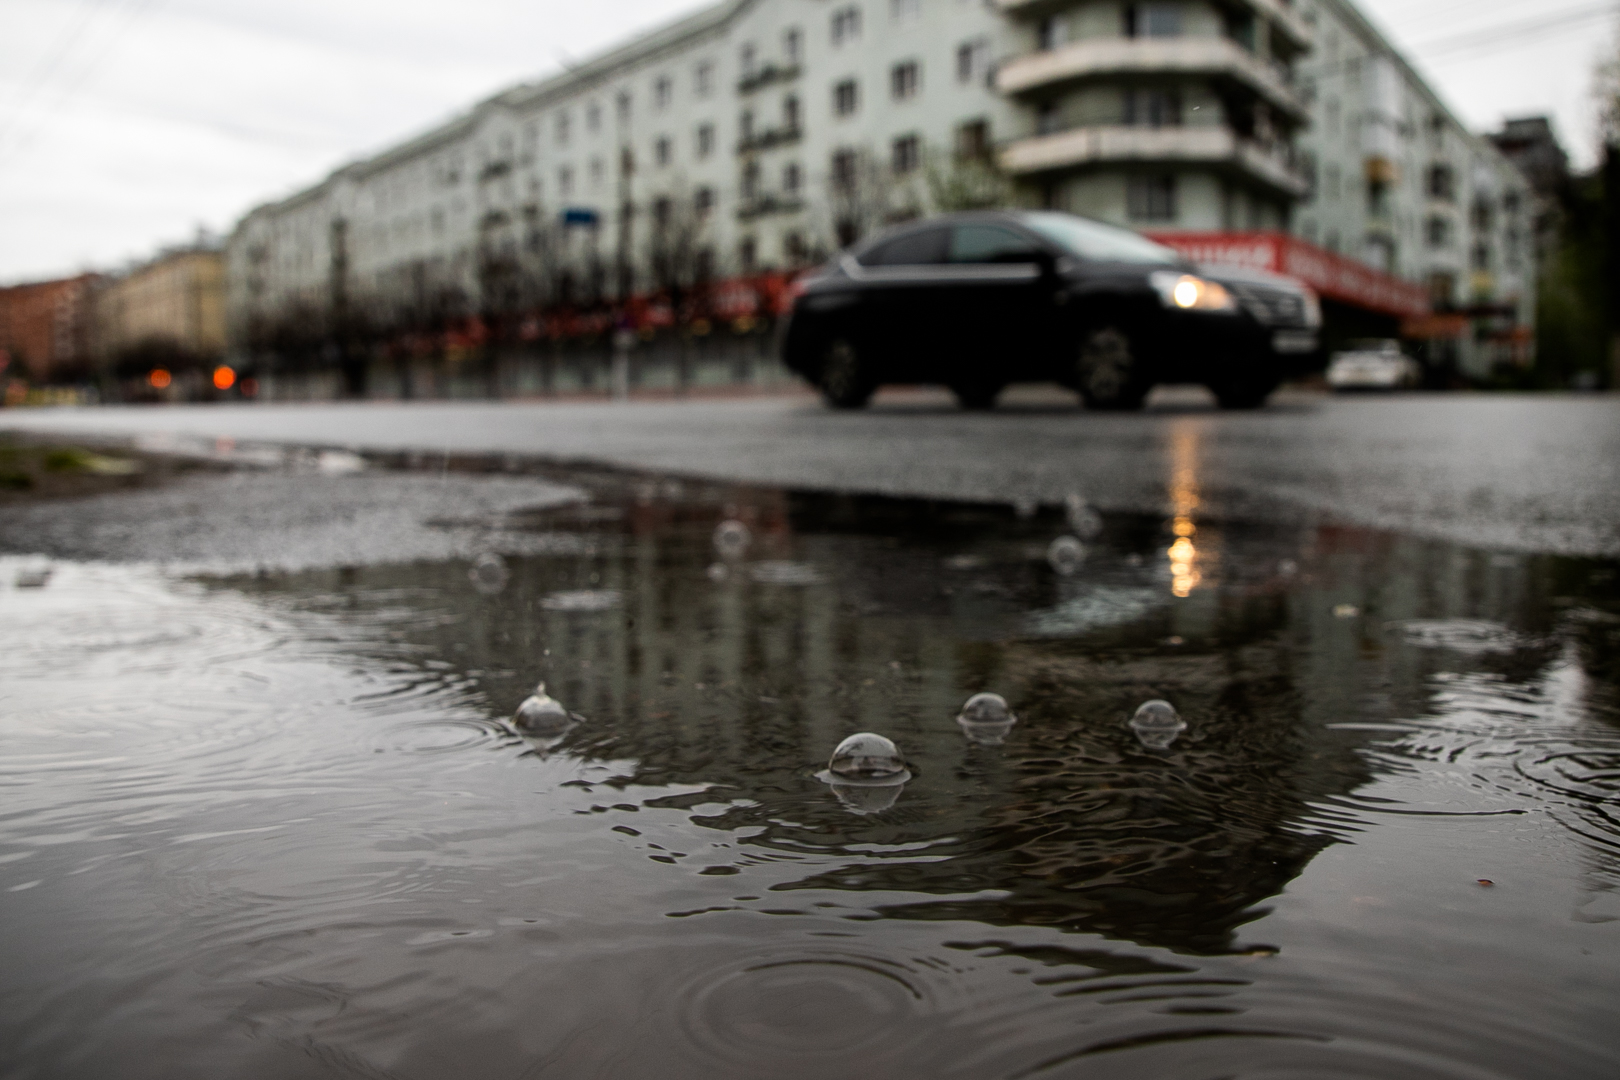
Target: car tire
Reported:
[(1108, 372), (1244, 393), (844, 377), (977, 395)]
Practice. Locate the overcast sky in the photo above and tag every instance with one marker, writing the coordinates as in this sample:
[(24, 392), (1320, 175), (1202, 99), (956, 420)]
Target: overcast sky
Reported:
[(127, 124)]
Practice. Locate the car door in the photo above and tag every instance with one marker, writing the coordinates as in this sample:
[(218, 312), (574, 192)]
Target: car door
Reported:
[(902, 294), (1001, 309)]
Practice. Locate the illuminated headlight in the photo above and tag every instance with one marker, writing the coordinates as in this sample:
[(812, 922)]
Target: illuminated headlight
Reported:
[(1313, 309), (1191, 293)]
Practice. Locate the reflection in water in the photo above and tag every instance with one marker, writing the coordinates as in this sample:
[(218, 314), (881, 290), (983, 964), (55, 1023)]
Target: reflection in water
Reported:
[(1183, 555), (299, 833)]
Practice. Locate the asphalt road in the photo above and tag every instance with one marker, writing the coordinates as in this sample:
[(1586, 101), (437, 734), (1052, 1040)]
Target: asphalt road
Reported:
[(1510, 472)]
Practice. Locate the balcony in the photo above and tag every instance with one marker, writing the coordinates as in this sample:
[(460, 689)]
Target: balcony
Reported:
[(1100, 57), (1279, 12), (767, 76), (767, 204), (1215, 146), (770, 137)]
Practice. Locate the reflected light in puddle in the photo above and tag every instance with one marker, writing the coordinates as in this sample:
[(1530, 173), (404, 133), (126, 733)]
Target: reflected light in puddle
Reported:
[(1183, 554)]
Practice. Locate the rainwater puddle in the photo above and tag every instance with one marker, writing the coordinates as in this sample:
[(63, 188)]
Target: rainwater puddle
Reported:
[(280, 826)]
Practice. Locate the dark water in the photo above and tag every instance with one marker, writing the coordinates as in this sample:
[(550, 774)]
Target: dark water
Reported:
[(276, 826)]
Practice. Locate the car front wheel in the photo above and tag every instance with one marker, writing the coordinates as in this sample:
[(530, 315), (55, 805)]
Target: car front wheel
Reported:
[(1109, 373), (846, 379)]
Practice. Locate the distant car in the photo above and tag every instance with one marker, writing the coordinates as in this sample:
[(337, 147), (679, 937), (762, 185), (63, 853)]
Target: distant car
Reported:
[(1373, 365), (977, 301)]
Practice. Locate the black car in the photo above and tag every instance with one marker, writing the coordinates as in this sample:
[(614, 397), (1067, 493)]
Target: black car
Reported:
[(979, 300)]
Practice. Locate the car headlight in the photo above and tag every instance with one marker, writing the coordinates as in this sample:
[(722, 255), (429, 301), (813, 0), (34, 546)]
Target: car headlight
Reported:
[(1190, 293)]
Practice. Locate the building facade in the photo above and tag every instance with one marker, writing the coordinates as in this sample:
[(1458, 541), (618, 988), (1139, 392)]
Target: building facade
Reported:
[(759, 135), (171, 309), (45, 331)]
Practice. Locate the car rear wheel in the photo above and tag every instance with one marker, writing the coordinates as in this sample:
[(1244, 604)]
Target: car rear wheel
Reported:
[(845, 378), (1108, 371), (977, 394)]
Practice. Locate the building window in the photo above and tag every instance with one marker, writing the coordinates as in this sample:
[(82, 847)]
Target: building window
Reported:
[(624, 105), (793, 246), (846, 99), (792, 45), (1152, 108), (1480, 216), (1438, 232), (1048, 118), (973, 61), (750, 180), (790, 113), (973, 141), (565, 181), (845, 168), (745, 125), (1052, 32), (627, 161), (596, 172), (703, 79), (1481, 257), (905, 10), (903, 80), (1151, 198), (1442, 289), (661, 212), (705, 140), (906, 155), (593, 117), (562, 129), (663, 90), (791, 178), (1441, 183), (703, 200), (748, 61), (748, 254), (846, 25), (1153, 20), (661, 150)]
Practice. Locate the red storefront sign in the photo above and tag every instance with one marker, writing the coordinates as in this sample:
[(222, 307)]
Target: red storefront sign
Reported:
[(1333, 276)]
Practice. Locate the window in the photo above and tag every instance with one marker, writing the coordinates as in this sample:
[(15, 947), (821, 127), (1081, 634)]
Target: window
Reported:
[(792, 45), (973, 140), (750, 180), (703, 200), (624, 105), (597, 172), (1442, 289), (748, 254), (1048, 118), (924, 247), (791, 178), (973, 61), (1438, 232), (627, 161), (991, 244), (1441, 182), (705, 140), (1481, 216), (846, 25), (661, 212), (905, 10), (703, 78), (663, 90), (745, 125), (593, 116), (1481, 257), (790, 113), (1151, 198), (1152, 108), (565, 181), (748, 58), (845, 98), (794, 247), (661, 150), (562, 129), (903, 81), (845, 169), (1161, 19), (1052, 32), (906, 155)]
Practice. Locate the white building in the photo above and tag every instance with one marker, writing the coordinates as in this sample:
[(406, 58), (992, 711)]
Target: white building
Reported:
[(762, 133)]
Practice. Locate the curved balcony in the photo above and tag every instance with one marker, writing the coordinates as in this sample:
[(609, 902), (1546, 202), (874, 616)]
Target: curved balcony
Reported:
[(1101, 57), (1279, 12), (1216, 146)]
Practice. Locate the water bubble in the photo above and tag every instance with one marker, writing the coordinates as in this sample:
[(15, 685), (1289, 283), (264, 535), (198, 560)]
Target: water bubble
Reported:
[(986, 719), (1083, 519), (1066, 555), (732, 538), (1157, 724), (866, 756), (718, 572), (489, 574), (543, 715)]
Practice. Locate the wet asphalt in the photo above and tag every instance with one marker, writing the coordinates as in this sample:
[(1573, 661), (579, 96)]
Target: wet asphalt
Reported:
[(1514, 472)]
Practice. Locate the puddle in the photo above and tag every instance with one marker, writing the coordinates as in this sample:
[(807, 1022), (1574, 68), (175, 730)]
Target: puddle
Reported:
[(281, 825)]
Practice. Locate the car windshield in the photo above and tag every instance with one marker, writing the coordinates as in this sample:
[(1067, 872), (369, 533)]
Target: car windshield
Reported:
[(1094, 241)]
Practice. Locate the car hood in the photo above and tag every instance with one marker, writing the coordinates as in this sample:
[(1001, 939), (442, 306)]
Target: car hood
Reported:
[(1243, 275)]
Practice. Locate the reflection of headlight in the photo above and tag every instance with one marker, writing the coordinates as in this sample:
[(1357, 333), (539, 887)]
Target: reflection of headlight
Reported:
[(1190, 293), (1313, 309)]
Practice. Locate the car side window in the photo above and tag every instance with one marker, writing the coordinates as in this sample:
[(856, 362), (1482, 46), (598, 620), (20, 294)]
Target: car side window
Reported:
[(991, 244), (924, 247)]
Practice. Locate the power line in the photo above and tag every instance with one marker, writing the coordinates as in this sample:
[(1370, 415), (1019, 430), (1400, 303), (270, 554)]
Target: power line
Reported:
[(1514, 32)]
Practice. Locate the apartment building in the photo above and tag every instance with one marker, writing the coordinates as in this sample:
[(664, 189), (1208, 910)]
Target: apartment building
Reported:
[(761, 134), (171, 308)]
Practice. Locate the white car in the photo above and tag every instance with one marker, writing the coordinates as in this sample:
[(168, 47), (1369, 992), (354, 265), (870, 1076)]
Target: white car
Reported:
[(1374, 365)]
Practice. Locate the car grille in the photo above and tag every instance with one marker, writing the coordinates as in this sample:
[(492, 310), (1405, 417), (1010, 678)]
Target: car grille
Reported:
[(1270, 307)]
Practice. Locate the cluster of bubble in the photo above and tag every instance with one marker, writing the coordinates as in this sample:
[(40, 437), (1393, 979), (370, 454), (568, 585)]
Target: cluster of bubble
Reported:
[(1067, 553)]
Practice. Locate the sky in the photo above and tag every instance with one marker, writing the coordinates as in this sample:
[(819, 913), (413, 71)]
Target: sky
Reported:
[(128, 125)]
